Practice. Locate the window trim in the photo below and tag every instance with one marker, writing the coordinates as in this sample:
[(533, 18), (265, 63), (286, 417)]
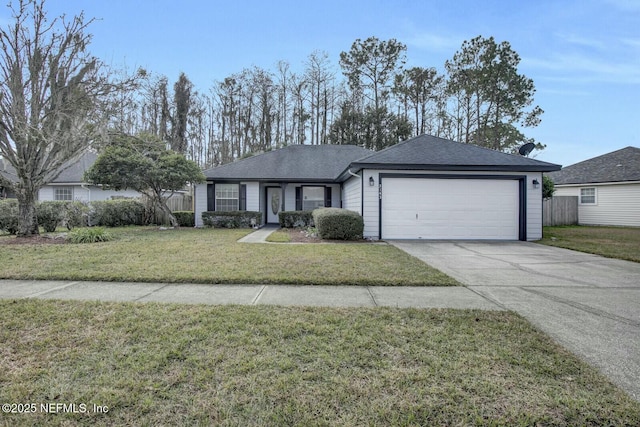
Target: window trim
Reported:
[(63, 188), (595, 196), (218, 187), (323, 198), (300, 195)]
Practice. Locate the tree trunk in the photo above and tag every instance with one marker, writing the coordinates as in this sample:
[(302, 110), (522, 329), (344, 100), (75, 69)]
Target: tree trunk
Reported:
[(162, 204), (27, 218)]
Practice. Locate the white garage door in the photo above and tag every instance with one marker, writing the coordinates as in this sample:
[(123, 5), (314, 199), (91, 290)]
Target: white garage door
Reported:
[(421, 208)]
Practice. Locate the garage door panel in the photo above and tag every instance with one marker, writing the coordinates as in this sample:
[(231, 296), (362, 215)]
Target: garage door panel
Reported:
[(428, 208)]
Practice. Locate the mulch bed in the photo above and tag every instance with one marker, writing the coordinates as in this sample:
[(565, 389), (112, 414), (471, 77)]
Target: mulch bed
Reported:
[(301, 236), (34, 240)]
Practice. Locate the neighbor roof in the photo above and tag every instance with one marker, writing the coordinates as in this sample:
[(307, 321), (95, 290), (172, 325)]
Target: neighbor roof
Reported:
[(72, 173), (433, 153), (75, 172), (617, 166), (7, 171), (292, 163)]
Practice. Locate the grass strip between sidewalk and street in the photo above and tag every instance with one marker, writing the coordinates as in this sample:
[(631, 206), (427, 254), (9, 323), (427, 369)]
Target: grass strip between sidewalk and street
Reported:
[(167, 364)]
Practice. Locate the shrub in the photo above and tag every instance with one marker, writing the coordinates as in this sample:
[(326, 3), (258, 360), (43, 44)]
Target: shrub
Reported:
[(295, 219), (185, 218), (233, 219), (117, 213), (76, 214), (9, 216), (50, 214), (89, 235), (339, 224)]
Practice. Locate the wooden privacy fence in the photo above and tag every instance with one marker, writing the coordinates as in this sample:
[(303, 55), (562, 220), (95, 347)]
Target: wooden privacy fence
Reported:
[(560, 210), (177, 202)]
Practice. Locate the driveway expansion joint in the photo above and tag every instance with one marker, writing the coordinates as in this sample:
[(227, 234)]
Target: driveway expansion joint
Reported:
[(520, 267), (491, 300), (583, 307)]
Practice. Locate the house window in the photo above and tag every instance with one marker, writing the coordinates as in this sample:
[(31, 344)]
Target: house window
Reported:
[(588, 196), (63, 193), (312, 198), (227, 197)]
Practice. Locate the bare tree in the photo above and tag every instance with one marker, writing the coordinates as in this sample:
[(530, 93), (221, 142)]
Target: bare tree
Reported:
[(320, 76), (51, 99)]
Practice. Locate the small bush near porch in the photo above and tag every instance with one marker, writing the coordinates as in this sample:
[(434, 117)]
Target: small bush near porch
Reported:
[(232, 219), (338, 224), (295, 219)]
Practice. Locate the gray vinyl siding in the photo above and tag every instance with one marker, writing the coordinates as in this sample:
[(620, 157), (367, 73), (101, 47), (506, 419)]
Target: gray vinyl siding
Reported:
[(616, 204), (87, 193), (351, 198)]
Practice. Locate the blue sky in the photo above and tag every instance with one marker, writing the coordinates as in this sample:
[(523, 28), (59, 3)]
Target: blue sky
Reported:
[(584, 56)]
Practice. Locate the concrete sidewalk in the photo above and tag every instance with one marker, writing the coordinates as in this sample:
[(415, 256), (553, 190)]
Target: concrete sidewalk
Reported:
[(287, 295), (260, 235)]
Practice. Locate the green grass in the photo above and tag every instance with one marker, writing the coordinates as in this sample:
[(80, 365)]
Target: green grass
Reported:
[(612, 242), (214, 256), (154, 364), (279, 236)]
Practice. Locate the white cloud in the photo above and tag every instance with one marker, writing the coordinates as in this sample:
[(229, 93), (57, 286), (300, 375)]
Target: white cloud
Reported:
[(577, 40)]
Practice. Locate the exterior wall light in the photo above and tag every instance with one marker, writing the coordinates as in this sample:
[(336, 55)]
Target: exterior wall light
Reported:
[(536, 183), (371, 181)]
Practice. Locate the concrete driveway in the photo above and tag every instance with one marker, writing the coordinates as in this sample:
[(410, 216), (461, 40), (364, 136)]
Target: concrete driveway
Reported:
[(589, 304)]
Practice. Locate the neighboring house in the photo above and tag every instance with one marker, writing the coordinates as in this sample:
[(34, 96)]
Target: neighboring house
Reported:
[(607, 186), (423, 188), (7, 175), (70, 185)]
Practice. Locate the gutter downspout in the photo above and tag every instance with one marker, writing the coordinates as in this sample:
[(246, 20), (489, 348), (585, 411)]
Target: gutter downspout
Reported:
[(85, 186)]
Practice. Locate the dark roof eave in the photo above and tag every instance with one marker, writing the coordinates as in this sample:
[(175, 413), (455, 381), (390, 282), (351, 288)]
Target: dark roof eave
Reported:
[(630, 181), (357, 166), (287, 180)]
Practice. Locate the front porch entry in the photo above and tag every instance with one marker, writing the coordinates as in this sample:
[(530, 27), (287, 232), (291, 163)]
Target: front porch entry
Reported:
[(274, 204)]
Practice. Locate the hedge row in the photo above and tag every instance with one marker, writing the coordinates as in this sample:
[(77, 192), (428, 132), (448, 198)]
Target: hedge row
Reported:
[(339, 224), (109, 213), (295, 219), (232, 219), (117, 213)]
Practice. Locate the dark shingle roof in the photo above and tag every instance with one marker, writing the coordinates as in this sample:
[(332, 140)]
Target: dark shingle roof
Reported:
[(292, 163), (433, 153), (617, 166), (75, 172)]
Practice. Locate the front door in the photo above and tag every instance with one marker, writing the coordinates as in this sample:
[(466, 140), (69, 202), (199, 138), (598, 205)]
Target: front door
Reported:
[(274, 203)]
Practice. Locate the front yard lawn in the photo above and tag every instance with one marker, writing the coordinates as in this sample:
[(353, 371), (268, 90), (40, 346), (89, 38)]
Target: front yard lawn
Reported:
[(214, 256), (155, 364), (611, 242)]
